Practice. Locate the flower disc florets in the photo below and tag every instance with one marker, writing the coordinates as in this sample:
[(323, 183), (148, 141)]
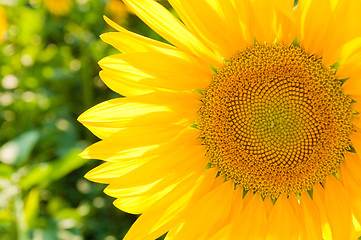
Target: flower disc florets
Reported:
[(275, 120)]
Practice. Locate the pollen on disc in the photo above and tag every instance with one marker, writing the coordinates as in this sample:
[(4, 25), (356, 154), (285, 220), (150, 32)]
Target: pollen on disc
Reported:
[(275, 120)]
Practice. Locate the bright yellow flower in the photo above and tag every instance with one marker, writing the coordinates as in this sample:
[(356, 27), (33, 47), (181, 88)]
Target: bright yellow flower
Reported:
[(58, 7), (117, 10), (3, 24), (245, 126)]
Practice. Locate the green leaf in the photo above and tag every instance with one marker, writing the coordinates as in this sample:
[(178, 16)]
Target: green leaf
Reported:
[(36, 175), (17, 151), (45, 173), (6, 215), (6, 171), (31, 208), (56, 203), (63, 166), (67, 213)]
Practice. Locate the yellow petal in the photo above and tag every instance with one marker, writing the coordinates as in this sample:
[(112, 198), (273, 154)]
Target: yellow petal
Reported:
[(356, 140), (313, 17), (352, 87), (351, 60), (139, 204), (166, 211), (170, 28), (343, 27), (319, 199), (269, 205), (109, 170), (120, 190), (326, 26), (122, 155), (156, 70), (245, 16), (173, 166), (311, 218), (265, 22), (130, 140), (286, 30), (338, 209), (356, 106), (173, 232), (285, 7), (270, 25), (282, 221), (211, 211), (237, 204), (351, 180), (119, 83), (356, 232), (352, 163), (223, 33), (223, 234), (296, 207), (252, 222), (126, 41), (236, 209), (109, 117), (159, 107)]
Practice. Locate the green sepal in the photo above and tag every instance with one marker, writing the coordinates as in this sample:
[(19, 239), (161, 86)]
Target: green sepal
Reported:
[(310, 193), (244, 193), (335, 175), (194, 125), (296, 42), (295, 3), (342, 81), (198, 91), (214, 69), (336, 65), (209, 165), (351, 149)]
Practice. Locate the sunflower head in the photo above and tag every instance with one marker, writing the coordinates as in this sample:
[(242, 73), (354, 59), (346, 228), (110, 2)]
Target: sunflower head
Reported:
[(245, 125), (3, 24), (117, 10), (275, 120), (58, 7)]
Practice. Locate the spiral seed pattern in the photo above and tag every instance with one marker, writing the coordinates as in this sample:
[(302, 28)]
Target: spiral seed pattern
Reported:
[(275, 120)]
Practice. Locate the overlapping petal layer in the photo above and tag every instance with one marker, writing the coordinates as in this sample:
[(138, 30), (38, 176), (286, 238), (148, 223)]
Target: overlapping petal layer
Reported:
[(155, 163)]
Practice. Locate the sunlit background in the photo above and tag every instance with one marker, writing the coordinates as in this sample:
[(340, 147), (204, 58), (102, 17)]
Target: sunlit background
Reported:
[(49, 51)]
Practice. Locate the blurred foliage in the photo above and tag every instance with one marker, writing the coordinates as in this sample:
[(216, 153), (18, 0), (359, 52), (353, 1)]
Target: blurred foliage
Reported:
[(49, 51)]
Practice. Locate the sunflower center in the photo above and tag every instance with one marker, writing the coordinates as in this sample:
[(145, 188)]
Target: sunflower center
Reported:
[(275, 120)]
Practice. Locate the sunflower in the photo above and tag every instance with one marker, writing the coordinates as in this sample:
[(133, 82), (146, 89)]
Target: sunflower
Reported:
[(58, 7), (3, 24), (117, 10), (245, 126)]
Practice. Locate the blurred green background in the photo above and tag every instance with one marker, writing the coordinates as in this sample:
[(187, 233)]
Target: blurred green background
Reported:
[(49, 51)]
